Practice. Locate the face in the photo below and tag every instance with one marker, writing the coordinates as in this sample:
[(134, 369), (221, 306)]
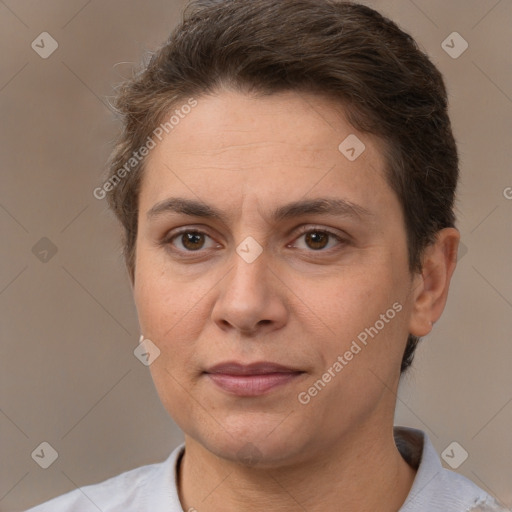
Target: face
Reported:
[(296, 258)]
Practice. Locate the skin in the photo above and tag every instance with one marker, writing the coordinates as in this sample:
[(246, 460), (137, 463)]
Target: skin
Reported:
[(297, 304)]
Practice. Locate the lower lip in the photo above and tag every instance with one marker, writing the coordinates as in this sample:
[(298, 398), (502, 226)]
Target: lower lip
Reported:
[(251, 385)]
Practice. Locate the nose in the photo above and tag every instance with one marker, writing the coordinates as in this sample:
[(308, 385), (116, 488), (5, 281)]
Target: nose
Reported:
[(252, 299)]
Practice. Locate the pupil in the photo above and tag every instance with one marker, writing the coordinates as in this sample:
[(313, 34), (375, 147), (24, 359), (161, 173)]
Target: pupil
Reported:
[(190, 240), (317, 238)]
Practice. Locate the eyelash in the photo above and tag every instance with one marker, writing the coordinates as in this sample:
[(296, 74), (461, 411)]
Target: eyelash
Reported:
[(303, 230)]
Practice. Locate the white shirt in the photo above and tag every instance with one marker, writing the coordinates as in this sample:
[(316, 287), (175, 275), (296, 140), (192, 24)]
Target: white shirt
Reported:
[(153, 487)]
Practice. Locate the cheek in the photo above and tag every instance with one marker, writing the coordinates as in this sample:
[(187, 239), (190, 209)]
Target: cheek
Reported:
[(357, 298), (167, 317), (362, 350), (161, 300), (172, 312), (366, 313)]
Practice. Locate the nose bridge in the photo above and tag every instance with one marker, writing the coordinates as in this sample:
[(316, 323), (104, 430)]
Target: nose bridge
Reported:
[(250, 267), (249, 299)]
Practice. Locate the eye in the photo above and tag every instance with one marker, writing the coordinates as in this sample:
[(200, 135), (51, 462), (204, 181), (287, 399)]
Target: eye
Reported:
[(190, 240), (318, 239), (193, 240)]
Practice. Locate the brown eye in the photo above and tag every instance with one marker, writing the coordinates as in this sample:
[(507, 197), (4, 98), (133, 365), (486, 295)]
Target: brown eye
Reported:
[(188, 241), (317, 239), (192, 241)]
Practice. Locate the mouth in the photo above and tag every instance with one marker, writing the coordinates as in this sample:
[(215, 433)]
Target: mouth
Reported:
[(251, 379)]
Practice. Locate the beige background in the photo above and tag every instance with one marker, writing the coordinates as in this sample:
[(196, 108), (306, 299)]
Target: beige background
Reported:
[(68, 373)]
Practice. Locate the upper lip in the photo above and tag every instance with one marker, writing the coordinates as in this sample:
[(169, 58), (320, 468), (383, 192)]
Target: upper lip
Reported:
[(259, 368)]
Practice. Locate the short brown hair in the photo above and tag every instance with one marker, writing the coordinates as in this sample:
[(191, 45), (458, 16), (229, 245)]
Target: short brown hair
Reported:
[(342, 50)]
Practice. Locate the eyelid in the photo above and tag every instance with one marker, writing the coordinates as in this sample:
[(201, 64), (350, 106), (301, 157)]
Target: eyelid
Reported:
[(341, 237), (171, 235), (306, 228)]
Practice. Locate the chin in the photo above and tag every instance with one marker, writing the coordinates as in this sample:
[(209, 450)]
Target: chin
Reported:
[(264, 444)]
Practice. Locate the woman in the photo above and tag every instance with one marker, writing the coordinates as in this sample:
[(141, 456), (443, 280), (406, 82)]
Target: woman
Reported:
[(285, 179)]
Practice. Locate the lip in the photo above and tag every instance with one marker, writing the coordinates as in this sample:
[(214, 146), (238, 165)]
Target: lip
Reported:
[(251, 379), (257, 368)]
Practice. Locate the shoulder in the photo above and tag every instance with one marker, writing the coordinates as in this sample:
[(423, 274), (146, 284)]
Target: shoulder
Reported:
[(108, 495), (435, 488), (461, 494), (133, 490)]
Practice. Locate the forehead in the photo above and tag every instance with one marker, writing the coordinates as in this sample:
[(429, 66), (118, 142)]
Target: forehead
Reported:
[(278, 125), (278, 148)]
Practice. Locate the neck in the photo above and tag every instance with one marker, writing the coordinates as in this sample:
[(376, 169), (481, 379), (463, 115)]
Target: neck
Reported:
[(362, 472)]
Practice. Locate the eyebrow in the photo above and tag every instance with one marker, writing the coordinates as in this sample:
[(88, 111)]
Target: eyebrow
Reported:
[(323, 205)]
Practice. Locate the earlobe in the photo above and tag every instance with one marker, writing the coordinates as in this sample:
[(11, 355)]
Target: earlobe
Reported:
[(430, 288)]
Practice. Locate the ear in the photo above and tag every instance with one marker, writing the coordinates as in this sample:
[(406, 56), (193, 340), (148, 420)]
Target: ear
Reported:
[(430, 288)]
